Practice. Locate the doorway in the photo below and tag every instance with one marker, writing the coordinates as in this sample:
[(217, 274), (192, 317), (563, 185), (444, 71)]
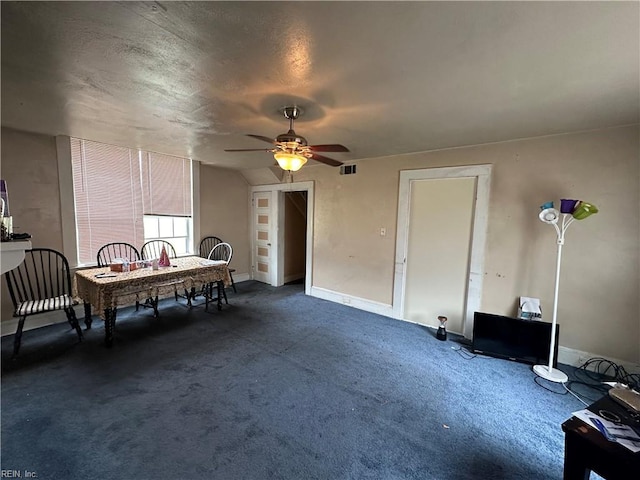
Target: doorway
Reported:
[(290, 219), (442, 217), (295, 236)]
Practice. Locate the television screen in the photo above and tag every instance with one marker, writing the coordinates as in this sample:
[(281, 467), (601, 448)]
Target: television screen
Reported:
[(513, 338)]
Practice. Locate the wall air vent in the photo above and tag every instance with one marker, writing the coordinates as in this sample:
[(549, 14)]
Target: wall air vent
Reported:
[(347, 169)]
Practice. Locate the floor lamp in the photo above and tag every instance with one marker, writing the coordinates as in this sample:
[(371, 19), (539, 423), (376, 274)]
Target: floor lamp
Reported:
[(571, 210)]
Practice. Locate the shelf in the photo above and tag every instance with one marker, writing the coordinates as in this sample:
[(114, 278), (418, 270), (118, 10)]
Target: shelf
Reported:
[(12, 254)]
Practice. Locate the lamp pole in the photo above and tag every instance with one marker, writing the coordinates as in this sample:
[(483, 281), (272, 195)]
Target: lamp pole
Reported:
[(571, 210), (547, 371)]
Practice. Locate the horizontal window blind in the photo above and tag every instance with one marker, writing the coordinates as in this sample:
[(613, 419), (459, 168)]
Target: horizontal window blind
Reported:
[(115, 186), (166, 185)]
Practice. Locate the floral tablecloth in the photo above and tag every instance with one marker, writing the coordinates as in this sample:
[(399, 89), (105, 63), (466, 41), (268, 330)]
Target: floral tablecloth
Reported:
[(103, 288)]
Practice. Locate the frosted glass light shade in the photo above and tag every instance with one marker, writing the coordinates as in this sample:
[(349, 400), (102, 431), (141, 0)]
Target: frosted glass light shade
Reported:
[(290, 161)]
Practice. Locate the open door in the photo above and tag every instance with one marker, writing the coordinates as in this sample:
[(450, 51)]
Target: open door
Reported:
[(262, 259)]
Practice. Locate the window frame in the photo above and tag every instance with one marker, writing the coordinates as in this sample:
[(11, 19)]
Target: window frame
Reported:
[(189, 241)]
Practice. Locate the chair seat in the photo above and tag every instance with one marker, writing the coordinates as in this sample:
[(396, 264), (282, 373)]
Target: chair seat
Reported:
[(37, 306)]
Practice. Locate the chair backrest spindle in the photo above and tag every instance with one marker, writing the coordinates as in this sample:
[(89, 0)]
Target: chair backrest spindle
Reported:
[(153, 248), (207, 244), (44, 273), (114, 250), (222, 251)]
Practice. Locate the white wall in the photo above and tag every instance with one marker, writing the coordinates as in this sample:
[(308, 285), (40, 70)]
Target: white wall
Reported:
[(30, 167), (224, 213), (599, 310)]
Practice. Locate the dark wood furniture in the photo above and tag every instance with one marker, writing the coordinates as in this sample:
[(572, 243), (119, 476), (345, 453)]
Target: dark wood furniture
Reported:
[(111, 251), (153, 249), (41, 283), (586, 449), (206, 246)]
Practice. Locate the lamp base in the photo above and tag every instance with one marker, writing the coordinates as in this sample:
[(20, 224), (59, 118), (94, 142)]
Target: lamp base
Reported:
[(553, 375)]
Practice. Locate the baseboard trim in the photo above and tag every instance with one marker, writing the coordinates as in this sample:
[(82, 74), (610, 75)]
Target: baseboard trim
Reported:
[(351, 301), (577, 358), (567, 356), (240, 277)]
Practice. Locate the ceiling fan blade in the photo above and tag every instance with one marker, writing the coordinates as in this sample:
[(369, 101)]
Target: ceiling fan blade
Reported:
[(248, 150), (325, 160), (264, 139), (328, 148)]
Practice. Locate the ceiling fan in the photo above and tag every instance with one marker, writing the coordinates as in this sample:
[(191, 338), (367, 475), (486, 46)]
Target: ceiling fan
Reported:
[(291, 150)]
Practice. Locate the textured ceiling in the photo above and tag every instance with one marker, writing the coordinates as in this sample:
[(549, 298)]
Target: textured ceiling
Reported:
[(382, 78)]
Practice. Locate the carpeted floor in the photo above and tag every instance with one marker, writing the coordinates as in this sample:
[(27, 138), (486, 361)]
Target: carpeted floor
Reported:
[(277, 385)]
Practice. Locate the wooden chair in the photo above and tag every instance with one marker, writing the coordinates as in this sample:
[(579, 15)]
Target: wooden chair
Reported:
[(222, 251), (152, 249), (111, 251), (42, 283), (107, 254), (206, 247)]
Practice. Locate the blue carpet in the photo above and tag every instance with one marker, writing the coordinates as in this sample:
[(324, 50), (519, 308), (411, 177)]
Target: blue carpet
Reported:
[(277, 385)]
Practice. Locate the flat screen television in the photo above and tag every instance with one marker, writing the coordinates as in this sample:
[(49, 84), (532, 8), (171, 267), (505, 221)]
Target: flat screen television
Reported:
[(516, 339)]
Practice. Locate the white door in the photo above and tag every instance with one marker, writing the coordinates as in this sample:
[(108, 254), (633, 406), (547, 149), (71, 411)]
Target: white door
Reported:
[(438, 251), (263, 237), (442, 219)]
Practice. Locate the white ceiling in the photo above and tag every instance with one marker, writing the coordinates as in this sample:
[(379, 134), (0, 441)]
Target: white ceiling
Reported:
[(382, 78)]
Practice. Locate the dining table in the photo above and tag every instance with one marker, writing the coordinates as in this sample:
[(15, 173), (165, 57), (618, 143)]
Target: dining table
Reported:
[(104, 290)]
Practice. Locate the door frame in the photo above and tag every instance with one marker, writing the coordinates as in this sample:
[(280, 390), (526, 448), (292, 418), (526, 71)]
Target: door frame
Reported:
[(482, 174), (278, 214)]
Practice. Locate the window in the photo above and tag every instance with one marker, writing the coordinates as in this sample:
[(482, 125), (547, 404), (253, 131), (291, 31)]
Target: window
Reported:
[(174, 230), (127, 195)]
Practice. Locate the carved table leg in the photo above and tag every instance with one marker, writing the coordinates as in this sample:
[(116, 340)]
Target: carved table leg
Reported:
[(220, 286), (154, 304), (109, 325), (208, 295), (87, 315)]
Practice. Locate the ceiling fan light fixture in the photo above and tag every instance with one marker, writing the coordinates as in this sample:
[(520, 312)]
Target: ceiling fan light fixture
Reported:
[(291, 150), (290, 161)]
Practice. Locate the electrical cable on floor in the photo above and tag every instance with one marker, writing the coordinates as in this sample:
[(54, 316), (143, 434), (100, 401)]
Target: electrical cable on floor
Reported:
[(600, 369), (593, 373), (464, 353), (536, 378), (599, 389), (575, 395)]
